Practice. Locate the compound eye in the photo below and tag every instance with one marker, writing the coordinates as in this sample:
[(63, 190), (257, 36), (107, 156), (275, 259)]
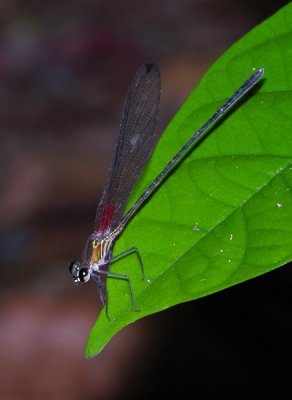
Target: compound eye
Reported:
[(84, 275), (74, 268)]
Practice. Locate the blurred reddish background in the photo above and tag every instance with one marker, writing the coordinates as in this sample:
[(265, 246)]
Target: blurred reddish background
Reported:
[(65, 68)]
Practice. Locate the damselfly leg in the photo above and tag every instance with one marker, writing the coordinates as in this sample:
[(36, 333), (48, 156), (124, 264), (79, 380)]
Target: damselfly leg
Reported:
[(103, 289), (132, 250), (109, 274)]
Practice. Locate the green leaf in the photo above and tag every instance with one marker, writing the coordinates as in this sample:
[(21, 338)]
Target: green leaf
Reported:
[(224, 215)]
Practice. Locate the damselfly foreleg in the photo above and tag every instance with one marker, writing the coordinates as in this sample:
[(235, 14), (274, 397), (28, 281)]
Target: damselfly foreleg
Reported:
[(102, 292)]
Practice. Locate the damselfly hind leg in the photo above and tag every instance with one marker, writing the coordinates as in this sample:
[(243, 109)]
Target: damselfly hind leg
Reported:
[(128, 252)]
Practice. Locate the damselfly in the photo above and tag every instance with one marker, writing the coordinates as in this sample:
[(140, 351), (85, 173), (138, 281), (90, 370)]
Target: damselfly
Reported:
[(134, 145)]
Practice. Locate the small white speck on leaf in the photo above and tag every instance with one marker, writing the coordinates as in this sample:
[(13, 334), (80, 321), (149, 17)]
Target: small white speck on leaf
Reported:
[(203, 280)]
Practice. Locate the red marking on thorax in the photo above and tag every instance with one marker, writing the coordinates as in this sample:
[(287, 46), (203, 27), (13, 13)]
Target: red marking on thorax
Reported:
[(106, 218)]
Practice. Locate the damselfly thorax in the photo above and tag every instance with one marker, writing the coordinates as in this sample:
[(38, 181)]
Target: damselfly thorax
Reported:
[(95, 265), (96, 257)]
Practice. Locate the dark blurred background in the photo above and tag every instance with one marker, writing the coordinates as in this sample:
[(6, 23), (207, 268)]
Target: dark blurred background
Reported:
[(65, 68)]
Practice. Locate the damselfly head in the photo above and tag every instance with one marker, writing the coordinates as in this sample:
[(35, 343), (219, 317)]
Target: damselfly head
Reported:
[(79, 274)]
